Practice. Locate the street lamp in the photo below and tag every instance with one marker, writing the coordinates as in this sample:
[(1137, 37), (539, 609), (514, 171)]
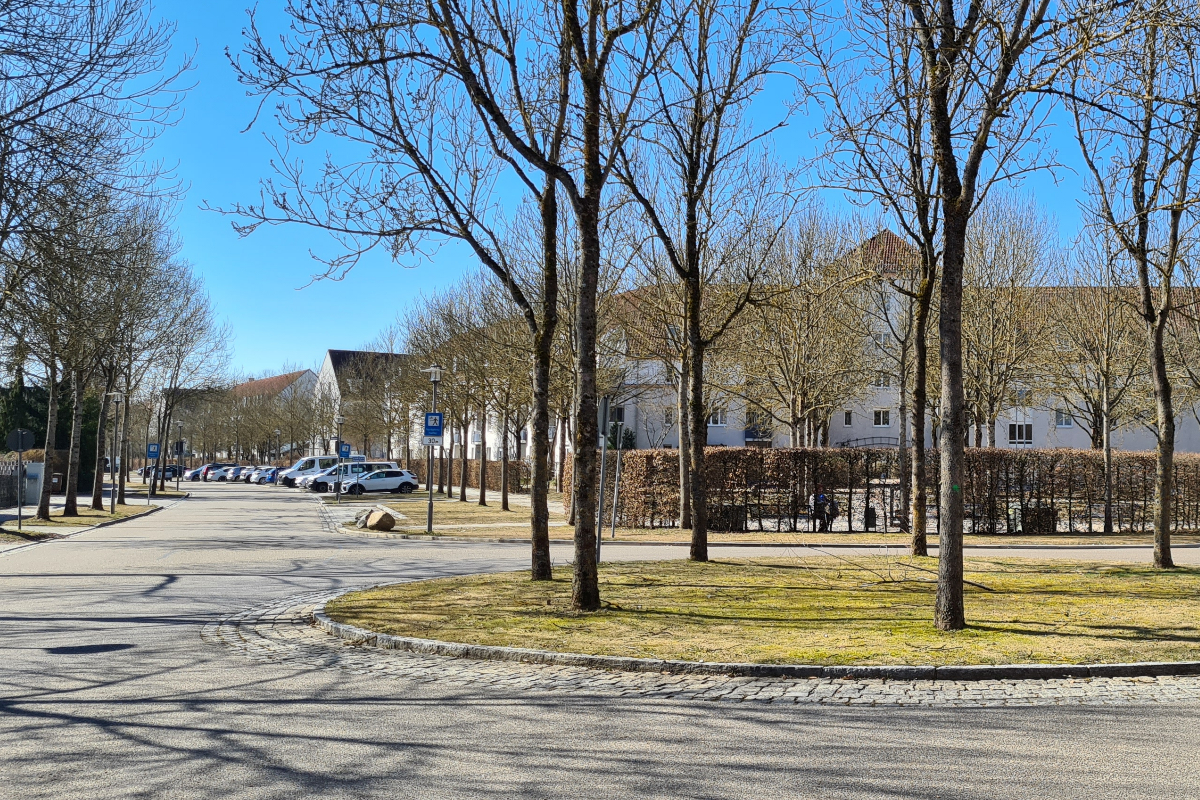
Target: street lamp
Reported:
[(435, 377), (117, 399), (278, 446), (339, 420)]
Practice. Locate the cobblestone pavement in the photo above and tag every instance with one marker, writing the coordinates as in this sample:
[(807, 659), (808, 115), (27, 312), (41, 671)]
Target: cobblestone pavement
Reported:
[(282, 631)]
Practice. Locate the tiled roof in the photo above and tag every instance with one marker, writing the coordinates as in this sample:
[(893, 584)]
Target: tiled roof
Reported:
[(267, 387), (887, 253)]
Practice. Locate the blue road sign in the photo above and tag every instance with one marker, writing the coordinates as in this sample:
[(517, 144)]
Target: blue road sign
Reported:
[(152, 450), (344, 450), (433, 423)]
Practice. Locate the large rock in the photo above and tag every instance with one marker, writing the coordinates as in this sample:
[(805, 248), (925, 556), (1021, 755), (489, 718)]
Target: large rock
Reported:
[(380, 520)]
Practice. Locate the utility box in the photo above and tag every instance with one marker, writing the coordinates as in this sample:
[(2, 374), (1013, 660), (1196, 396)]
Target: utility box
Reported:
[(56, 483), (870, 518)]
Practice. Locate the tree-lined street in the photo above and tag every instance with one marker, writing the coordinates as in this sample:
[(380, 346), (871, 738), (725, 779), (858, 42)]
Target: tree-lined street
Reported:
[(113, 688)]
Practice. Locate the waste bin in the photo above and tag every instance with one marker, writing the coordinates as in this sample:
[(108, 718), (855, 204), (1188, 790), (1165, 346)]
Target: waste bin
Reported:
[(56, 483), (869, 519)]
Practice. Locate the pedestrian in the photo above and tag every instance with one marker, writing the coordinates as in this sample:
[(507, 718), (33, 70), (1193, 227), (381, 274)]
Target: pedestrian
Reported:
[(822, 512)]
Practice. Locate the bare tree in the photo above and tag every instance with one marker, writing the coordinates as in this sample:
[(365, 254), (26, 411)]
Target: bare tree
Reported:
[(1138, 127)]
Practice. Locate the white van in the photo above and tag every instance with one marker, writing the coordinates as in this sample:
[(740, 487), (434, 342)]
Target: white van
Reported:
[(306, 466)]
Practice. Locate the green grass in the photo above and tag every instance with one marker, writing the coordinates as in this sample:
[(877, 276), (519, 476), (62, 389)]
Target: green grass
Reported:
[(874, 610)]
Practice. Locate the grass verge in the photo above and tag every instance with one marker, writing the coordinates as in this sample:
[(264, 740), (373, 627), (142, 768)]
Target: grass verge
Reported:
[(874, 610), (87, 517)]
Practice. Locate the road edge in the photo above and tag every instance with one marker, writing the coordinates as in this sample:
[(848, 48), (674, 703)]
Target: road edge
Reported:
[(968, 672)]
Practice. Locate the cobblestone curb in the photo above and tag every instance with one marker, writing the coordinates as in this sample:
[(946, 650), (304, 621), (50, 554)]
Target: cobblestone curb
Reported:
[(981, 672), (281, 632)]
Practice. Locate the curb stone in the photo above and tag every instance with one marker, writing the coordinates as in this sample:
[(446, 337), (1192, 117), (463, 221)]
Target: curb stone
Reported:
[(970, 672)]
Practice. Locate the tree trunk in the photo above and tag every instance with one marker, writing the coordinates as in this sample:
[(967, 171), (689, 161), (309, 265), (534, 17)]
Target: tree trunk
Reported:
[(585, 587), (483, 459), (1165, 455), (1108, 476), (685, 450), (504, 464), (905, 449), (43, 509), (464, 465), (543, 349), (71, 501), (699, 425), (450, 463), (919, 545), (560, 433), (949, 613), (98, 483), (990, 438)]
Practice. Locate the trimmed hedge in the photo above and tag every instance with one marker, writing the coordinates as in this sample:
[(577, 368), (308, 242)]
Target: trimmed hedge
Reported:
[(1005, 491)]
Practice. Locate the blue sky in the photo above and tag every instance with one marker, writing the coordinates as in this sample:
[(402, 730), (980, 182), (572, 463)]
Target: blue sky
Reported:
[(256, 282)]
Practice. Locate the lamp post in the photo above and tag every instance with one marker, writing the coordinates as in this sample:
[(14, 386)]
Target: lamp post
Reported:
[(278, 445), (435, 377), (117, 399), (339, 420)]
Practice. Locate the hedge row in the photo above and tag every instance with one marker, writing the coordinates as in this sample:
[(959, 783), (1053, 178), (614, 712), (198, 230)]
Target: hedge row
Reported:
[(770, 489)]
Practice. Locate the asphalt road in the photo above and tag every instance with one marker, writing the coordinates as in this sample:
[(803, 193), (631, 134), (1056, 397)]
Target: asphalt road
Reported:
[(107, 690)]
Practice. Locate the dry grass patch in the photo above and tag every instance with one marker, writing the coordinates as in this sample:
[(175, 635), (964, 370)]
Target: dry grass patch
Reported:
[(87, 516), (875, 610), (453, 515)]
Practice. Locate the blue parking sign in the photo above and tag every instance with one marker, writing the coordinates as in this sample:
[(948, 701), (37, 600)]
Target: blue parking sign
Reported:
[(152, 450), (344, 450)]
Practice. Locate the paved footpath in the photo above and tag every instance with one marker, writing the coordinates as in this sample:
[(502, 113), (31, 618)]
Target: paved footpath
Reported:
[(170, 657)]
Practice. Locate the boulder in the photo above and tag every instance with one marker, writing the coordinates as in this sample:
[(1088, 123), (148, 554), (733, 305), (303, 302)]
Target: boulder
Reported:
[(380, 520)]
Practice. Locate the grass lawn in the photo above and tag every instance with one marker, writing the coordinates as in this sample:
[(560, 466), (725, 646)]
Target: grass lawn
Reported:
[(87, 516), (871, 610), (10, 536)]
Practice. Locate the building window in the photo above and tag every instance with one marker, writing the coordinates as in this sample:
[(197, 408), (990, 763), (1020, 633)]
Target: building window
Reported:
[(883, 380), (1063, 419), (1020, 433), (848, 419), (718, 418), (882, 340), (883, 418), (616, 414), (1024, 397), (668, 418), (758, 428)]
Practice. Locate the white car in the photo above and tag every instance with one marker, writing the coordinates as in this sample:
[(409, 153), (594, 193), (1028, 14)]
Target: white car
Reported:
[(397, 481), (219, 473), (305, 467), (350, 471)]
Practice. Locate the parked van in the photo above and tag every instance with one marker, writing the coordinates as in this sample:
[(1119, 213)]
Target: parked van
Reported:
[(305, 466)]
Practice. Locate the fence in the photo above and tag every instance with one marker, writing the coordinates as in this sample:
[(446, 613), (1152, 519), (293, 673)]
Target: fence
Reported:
[(1005, 491), (10, 479)]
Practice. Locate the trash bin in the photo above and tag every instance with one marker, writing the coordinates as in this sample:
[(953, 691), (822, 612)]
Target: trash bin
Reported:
[(869, 518), (56, 483)]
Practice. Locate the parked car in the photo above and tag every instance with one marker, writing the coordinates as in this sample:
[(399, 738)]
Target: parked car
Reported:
[(235, 473), (248, 473), (397, 481), (169, 471), (349, 471), (218, 472), (322, 479), (265, 476), (196, 473), (304, 467)]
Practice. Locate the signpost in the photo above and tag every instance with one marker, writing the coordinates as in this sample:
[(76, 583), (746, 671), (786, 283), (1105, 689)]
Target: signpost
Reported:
[(434, 429), (20, 440), (344, 450)]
